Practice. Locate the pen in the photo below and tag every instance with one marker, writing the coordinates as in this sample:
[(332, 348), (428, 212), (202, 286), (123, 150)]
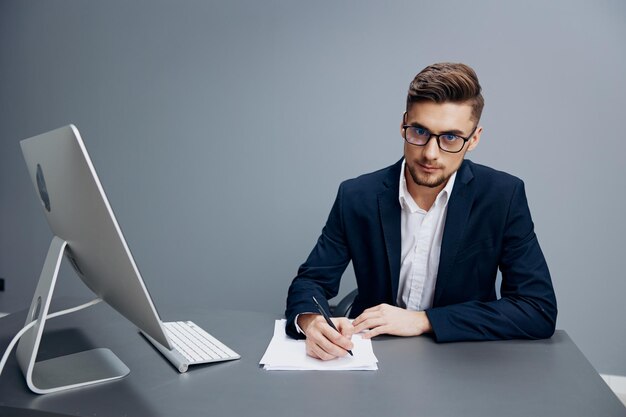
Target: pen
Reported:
[(328, 320)]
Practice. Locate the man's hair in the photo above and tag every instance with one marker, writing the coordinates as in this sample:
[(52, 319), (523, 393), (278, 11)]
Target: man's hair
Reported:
[(447, 82)]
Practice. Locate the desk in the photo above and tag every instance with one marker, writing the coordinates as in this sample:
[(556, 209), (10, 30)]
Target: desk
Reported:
[(416, 376)]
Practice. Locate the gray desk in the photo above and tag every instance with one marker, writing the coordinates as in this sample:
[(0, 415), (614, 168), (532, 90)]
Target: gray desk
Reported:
[(416, 376)]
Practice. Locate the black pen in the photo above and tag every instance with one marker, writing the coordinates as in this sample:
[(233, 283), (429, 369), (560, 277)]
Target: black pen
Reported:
[(328, 320)]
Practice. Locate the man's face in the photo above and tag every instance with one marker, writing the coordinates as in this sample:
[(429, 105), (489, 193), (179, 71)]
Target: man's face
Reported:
[(428, 165)]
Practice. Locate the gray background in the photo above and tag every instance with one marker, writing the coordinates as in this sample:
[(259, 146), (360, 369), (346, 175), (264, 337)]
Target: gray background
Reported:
[(221, 130)]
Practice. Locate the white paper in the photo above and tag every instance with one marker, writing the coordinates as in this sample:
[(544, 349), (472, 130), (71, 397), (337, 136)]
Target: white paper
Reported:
[(287, 354)]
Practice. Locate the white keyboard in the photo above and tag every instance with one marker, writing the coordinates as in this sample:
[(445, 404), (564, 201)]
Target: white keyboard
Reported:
[(196, 345)]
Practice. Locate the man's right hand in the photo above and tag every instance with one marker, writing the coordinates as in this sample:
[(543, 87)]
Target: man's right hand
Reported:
[(322, 341)]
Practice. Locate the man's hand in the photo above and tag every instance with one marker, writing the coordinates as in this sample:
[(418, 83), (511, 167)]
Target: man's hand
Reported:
[(386, 319), (322, 342)]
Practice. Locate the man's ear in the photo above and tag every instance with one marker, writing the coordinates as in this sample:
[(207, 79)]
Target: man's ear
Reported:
[(475, 139), (402, 124)]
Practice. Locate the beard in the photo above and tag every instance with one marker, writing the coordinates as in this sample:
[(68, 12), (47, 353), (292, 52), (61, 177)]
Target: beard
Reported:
[(428, 180)]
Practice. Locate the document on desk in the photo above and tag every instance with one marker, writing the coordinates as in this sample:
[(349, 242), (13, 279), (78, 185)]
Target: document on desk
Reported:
[(287, 354)]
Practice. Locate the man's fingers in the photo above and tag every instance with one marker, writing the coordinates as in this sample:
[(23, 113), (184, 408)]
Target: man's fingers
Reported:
[(370, 323), (344, 326), (323, 342), (324, 349), (368, 314), (337, 339), (363, 317), (317, 352), (310, 351), (375, 332)]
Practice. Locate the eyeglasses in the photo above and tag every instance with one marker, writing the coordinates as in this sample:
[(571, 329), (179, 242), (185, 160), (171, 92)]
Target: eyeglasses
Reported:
[(447, 142)]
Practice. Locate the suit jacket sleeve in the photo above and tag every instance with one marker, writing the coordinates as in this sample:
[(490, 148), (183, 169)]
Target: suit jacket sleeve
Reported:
[(320, 275), (527, 307)]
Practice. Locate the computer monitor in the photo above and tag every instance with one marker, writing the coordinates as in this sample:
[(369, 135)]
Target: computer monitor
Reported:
[(87, 233)]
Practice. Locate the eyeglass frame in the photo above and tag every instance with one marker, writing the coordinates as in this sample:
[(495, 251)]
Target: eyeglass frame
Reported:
[(437, 136)]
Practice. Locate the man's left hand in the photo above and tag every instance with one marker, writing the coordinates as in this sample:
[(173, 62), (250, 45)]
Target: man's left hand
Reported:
[(387, 319)]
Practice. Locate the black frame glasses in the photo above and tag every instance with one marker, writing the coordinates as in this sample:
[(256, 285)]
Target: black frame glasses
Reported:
[(452, 138)]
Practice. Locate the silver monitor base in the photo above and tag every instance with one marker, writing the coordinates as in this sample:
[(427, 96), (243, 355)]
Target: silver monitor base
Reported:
[(65, 372)]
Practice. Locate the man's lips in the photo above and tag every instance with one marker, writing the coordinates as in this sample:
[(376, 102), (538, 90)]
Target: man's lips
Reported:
[(428, 168)]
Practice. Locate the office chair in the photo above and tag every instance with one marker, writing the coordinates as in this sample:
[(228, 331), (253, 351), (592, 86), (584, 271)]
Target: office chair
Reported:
[(345, 305)]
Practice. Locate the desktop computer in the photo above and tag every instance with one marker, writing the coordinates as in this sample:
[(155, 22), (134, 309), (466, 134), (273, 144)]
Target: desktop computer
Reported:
[(86, 232)]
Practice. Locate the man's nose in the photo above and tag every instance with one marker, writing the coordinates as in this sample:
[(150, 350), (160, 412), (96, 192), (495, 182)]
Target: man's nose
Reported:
[(431, 149)]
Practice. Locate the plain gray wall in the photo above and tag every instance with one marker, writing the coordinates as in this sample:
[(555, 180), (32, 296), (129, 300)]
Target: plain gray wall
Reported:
[(221, 130)]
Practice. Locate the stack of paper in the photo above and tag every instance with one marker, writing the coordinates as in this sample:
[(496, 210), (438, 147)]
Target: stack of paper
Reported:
[(286, 354)]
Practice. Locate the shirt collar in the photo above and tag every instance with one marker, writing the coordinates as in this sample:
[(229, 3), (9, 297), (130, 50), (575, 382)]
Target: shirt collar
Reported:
[(407, 202)]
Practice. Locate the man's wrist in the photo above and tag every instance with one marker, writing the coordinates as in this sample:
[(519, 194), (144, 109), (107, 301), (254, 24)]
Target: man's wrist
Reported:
[(424, 323), (302, 321)]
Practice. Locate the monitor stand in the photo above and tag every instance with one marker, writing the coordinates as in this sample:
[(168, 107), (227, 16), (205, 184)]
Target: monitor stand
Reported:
[(64, 372)]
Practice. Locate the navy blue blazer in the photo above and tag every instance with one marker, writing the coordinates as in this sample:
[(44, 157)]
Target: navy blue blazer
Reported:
[(488, 226)]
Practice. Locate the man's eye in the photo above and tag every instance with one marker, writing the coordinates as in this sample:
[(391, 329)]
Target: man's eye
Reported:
[(450, 138), (420, 131)]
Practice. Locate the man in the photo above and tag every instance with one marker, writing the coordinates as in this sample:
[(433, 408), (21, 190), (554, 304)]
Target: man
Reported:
[(426, 237)]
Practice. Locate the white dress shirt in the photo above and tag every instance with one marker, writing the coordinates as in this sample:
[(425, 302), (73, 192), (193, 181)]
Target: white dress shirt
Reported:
[(421, 233)]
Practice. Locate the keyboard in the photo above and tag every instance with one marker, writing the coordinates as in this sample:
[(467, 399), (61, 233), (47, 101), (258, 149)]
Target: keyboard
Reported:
[(191, 345), (195, 344)]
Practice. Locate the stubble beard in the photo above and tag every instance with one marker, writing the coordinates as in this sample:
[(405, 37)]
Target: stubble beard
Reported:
[(428, 180)]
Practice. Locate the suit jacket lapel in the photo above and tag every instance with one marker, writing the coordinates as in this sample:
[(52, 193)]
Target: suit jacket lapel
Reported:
[(459, 208), (389, 208)]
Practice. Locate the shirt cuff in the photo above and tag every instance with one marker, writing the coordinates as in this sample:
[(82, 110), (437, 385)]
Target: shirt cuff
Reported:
[(296, 322)]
